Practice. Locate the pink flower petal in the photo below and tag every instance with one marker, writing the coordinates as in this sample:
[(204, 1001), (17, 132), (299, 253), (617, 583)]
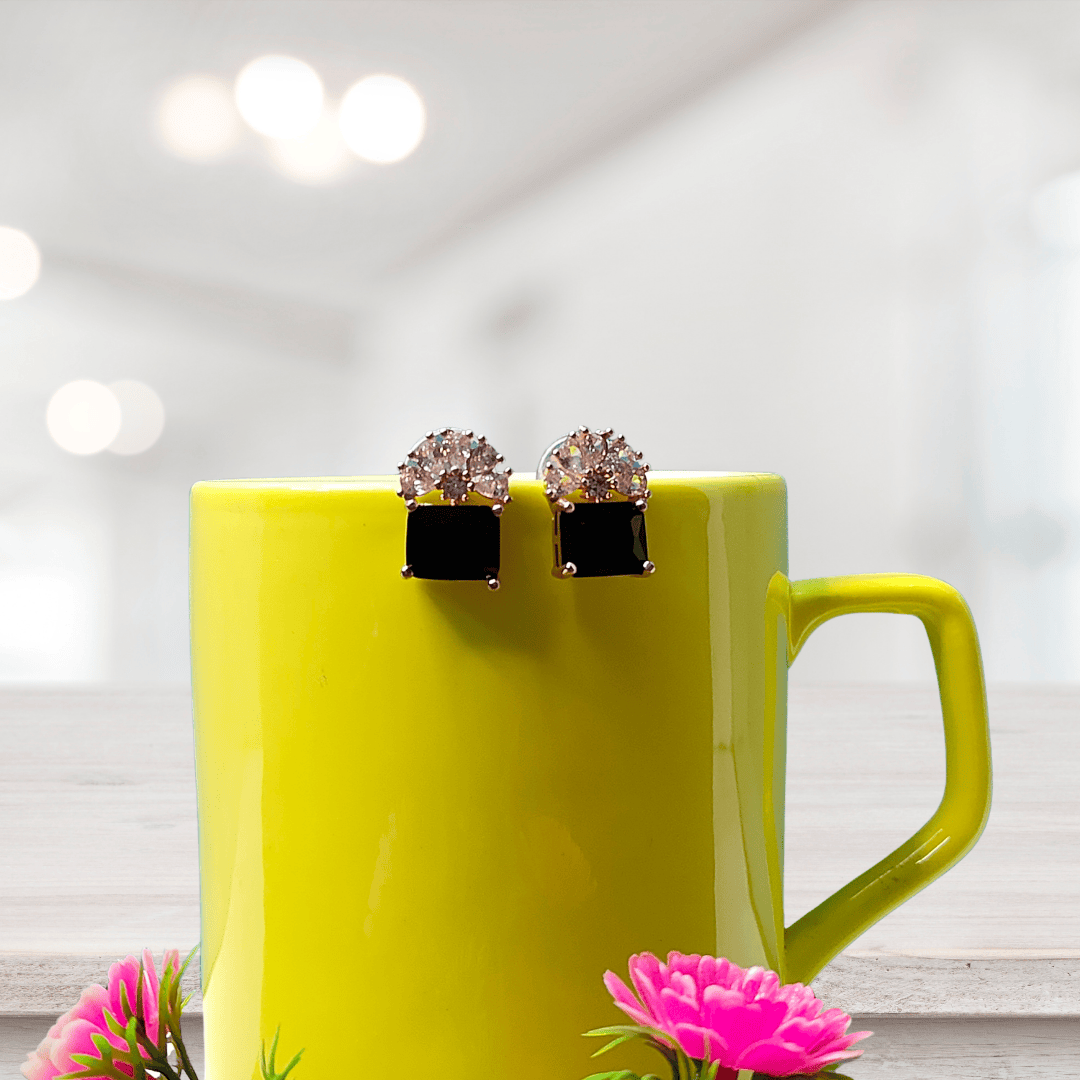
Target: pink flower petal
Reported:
[(684, 964), (37, 1066), (76, 1038), (626, 1000), (172, 958), (683, 986), (648, 989), (776, 1059), (678, 1010), (693, 1039), (73, 1032), (744, 1018)]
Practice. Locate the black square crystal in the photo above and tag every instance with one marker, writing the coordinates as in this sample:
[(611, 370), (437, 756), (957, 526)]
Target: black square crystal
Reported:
[(452, 543), (603, 539)]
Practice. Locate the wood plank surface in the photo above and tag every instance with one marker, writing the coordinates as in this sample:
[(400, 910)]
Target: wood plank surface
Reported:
[(905, 1048), (97, 795), (99, 849), (866, 768)]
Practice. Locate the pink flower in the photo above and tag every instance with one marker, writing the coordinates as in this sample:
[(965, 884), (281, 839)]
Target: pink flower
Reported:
[(73, 1032), (746, 1018)]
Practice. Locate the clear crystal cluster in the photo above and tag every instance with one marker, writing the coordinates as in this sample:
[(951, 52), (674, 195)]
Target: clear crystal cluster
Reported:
[(596, 465), (454, 463)]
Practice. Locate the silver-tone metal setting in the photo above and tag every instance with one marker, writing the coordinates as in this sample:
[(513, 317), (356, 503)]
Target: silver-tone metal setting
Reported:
[(594, 466), (457, 463)]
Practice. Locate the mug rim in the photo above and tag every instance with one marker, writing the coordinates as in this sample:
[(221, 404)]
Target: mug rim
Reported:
[(390, 482)]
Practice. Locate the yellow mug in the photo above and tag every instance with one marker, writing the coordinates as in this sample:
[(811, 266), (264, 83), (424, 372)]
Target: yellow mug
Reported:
[(431, 815)]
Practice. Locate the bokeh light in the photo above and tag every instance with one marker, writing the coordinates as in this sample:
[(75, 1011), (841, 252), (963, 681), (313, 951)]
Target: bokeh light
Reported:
[(197, 118), (382, 119), (142, 417), (320, 157), (20, 263), (83, 417), (279, 96)]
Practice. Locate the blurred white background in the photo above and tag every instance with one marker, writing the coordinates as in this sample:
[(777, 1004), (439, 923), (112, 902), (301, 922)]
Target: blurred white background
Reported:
[(838, 241)]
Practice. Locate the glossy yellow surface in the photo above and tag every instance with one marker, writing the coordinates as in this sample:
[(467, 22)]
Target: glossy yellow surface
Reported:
[(431, 816), (801, 607)]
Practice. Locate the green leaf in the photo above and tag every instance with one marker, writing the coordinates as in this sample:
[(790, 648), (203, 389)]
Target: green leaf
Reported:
[(618, 1041), (703, 1067), (292, 1065), (125, 1004), (620, 1074), (170, 1011), (269, 1069), (187, 960), (114, 1025)]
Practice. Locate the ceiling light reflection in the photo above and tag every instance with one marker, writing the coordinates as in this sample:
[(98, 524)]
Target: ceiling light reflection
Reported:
[(382, 118), (197, 119), (20, 263), (142, 417), (320, 157), (83, 417), (279, 96)]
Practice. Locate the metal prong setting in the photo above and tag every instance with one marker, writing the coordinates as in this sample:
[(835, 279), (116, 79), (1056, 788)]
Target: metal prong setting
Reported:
[(595, 466), (457, 464)]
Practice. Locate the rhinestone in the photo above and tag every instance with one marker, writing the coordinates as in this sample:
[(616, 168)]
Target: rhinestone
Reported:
[(454, 462), (450, 449), (622, 477), (454, 485), (581, 452), (421, 459), (595, 486), (558, 483), (483, 458), (594, 465), (494, 486), (415, 479)]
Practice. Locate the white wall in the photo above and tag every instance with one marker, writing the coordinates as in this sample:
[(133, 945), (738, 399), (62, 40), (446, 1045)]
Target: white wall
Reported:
[(825, 269), (93, 550)]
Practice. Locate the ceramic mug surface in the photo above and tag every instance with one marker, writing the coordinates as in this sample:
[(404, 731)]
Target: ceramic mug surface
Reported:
[(431, 816)]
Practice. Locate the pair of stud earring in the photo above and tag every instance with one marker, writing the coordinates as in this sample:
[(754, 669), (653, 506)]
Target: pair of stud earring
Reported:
[(595, 482)]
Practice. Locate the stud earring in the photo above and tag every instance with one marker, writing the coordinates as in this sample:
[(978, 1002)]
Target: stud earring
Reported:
[(455, 538), (597, 486)]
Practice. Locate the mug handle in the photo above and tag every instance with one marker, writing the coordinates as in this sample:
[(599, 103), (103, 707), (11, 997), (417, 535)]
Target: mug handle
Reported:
[(812, 941)]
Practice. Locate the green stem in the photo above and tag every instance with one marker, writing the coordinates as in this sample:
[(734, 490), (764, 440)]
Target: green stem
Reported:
[(164, 1068), (182, 1054)]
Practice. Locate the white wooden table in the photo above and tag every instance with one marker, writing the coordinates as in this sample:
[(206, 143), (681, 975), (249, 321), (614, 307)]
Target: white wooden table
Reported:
[(977, 977)]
